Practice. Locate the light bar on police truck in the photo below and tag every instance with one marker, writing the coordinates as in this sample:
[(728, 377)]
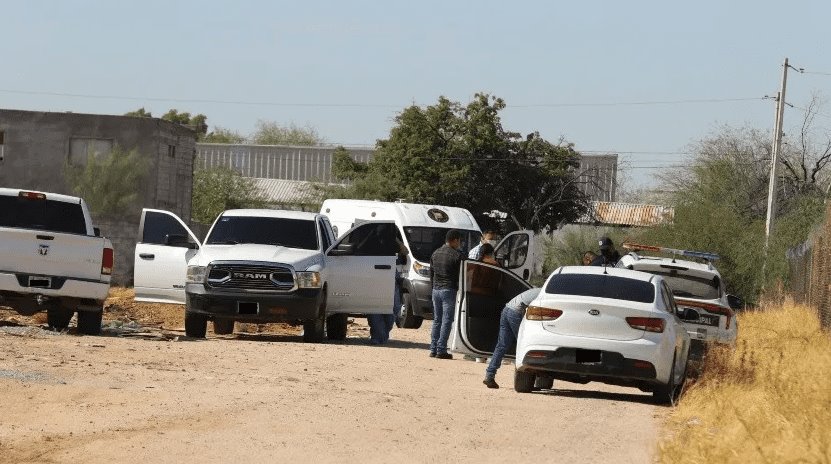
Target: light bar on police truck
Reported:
[(688, 253)]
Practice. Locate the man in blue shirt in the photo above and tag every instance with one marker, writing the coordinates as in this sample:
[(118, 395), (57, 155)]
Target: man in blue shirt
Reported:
[(509, 323)]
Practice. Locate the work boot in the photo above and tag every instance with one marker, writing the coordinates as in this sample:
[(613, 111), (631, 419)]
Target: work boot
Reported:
[(444, 356), (490, 383)]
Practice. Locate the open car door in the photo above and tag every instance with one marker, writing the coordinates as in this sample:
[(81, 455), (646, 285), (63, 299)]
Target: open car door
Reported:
[(361, 270), (516, 252), (165, 245), (484, 290)]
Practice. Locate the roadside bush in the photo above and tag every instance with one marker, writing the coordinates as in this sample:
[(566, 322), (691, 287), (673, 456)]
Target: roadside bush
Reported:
[(218, 189), (110, 183)]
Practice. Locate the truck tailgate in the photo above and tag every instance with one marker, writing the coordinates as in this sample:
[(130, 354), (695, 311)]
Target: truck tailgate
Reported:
[(27, 251)]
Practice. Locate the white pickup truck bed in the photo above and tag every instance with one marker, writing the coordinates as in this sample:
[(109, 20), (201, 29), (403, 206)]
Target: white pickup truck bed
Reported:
[(52, 259)]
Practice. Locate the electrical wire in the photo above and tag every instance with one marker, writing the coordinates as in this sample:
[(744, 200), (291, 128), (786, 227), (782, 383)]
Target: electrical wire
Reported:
[(366, 105)]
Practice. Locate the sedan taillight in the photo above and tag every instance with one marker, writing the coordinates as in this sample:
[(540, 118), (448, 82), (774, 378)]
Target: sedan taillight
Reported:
[(538, 313), (710, 308), (107, 262), (650, 324)]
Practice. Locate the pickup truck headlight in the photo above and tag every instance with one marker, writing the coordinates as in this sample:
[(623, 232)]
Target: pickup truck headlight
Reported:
[(421, 269), (196, 274), (308, 279)]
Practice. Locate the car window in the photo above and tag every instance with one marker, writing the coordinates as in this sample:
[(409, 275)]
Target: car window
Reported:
[(424, 241), (291, 233), (602, 286), (666, 295), (687, 286), (158, 225), (42, 214), (514, 252), (325, 239), (372, 240)]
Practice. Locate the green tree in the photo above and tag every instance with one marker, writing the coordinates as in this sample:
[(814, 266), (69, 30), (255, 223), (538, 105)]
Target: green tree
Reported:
[(198, 121), (272, 133), (109, 183), (459, 155), (721, 202), (218, 189), (139, 113), (222, 135)]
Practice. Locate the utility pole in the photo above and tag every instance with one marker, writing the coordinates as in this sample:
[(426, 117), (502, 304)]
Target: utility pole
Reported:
[(777, 151)]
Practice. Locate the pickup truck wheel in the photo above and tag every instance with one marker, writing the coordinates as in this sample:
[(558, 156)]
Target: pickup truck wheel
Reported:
[(223, 326), (408, 320), (58, 318), (314, 330), (89, 322), (524, 381), (196, 325), (336, 325)]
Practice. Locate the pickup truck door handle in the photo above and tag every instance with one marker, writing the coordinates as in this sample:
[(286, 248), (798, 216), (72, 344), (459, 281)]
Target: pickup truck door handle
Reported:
[(45, 237), (383, 266), (147, 256)]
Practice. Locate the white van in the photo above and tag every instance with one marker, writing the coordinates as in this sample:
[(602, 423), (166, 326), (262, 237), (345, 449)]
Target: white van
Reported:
[(423, 228)]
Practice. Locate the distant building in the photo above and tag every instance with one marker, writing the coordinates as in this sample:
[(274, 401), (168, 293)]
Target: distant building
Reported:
[(35, 146), (597, 174)]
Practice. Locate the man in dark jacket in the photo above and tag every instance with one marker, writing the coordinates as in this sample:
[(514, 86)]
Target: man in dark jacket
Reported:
[(444, 274), (608, 255)]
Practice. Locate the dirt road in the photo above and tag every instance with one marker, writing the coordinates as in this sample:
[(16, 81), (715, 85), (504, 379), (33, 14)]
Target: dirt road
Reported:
[(272, 398)]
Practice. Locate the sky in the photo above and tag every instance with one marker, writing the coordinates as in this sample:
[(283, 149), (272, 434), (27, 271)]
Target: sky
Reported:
[(644, 79)]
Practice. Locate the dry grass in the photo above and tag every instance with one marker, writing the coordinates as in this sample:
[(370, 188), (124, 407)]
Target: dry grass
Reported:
[(768, 400)]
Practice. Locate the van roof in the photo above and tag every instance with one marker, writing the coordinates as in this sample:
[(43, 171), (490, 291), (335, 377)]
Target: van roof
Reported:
[(410, 214)]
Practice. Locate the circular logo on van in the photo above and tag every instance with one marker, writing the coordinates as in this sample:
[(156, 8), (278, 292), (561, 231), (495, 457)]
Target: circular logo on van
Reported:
[(438, 215)]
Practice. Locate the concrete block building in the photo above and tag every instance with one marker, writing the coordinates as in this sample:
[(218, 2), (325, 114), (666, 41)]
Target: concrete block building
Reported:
[(35, 147)]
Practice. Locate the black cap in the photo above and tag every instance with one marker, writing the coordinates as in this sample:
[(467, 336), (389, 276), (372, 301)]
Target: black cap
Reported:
[(605, 243)]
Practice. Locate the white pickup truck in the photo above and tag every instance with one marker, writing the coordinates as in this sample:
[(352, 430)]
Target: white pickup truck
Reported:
[(53, 259), (262, 266)]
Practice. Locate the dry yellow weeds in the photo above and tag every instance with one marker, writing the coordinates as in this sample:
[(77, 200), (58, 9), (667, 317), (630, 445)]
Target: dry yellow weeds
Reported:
[(767, 400)]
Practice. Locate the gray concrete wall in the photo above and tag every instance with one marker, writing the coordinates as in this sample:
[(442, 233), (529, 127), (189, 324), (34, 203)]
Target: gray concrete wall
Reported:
[(37, 147)]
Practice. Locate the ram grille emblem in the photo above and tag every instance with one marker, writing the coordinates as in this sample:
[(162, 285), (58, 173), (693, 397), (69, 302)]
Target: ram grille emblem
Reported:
[(250, 276), (43, 250)]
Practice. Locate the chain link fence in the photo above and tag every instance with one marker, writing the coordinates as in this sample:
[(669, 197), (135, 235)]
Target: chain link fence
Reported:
[(810, 271)]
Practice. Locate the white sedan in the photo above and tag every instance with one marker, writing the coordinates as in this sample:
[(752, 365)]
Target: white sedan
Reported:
[(609, 325)]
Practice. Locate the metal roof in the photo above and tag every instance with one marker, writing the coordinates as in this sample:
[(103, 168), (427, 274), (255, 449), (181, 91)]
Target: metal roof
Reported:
[(281, 191), (629, 214)]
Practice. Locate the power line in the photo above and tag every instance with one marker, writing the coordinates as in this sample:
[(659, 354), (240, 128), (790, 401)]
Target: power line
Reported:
[(364, 105), (638, 103)]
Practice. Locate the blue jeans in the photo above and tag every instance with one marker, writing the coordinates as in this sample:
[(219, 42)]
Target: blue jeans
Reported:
[(380, 325), (444, 303), (509, 323)]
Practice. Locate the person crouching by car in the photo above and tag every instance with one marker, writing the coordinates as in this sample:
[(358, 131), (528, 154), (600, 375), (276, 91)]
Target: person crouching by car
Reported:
[(509, 322), (608, 255)]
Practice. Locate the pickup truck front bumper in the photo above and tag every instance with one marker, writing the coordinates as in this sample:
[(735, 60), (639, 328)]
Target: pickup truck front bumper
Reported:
[(78, 294), (246, 306)]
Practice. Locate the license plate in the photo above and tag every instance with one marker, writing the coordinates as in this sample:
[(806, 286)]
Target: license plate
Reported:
[(40, 282), (707, 319), (249, 308), (587, 356)]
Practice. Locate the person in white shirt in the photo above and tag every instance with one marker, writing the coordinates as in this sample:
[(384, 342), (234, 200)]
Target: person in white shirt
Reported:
[(475, 253)]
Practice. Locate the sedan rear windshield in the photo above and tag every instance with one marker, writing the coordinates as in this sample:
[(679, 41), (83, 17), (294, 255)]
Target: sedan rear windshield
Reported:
[(602, 286), (292, 233), (424, 241), (42, 214)]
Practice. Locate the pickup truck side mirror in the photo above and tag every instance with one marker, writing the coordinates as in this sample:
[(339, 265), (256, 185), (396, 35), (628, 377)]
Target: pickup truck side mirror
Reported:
[(179, 241), (735, 302), (343, 249), (96, 231)]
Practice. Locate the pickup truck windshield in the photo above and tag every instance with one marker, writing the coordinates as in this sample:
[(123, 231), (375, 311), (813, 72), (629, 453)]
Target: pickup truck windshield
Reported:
[(42, 214), (292, 233), (424, 241)]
